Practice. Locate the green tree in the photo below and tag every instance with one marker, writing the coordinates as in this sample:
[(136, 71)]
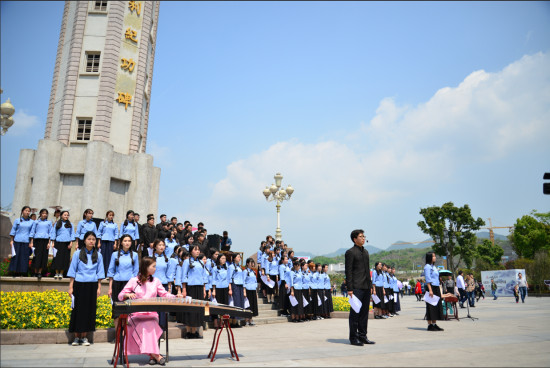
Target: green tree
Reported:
[(531, 235), (460, 225), (489, 253)]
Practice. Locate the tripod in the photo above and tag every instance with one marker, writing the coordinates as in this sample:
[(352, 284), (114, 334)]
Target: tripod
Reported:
[(468, 306)]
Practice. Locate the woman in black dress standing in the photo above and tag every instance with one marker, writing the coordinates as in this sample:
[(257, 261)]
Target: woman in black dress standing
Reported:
[(431, 273)]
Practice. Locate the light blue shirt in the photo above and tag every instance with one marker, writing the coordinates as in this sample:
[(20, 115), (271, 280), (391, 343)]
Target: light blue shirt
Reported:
[(326, 281), (63, 234), (166, 271), (170, 245), (195, 275), (210, 265), (386, 280), (306, 280), (131, 229), (296, 279), (21, 230), (108, 231), (83, 227), (315, 280), (377, 279), (250, 280), (220, 279), (125, 270), (431, 274), (41, 229), (284, 273), (394, 284), (273, 267), (86, 272), (235, 274)]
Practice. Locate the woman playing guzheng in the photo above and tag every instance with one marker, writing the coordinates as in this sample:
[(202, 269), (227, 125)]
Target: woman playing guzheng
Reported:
[(143, 327)]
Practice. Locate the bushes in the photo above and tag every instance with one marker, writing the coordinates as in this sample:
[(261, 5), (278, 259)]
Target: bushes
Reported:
[(49, 309), (341, 304)]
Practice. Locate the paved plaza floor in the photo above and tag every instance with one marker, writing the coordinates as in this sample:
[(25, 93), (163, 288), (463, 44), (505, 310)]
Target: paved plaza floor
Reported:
[(506, 335)]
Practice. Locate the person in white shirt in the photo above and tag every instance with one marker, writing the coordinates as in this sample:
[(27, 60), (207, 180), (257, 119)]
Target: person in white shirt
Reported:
[(461, 289), (523, 285)]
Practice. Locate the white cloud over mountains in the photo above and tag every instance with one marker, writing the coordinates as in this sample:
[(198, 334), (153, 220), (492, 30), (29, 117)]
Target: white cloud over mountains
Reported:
[(487, 117)]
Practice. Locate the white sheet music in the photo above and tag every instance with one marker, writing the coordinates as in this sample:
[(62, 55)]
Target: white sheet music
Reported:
[(246, 303), (375, 299), (355, 303), (431, 300), (293, 300), (305, 301)]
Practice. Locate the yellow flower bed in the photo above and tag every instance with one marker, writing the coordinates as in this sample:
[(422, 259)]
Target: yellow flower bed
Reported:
[(341, 304), (49, 309)]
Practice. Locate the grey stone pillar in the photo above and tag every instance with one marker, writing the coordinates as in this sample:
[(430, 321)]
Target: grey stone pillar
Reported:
[(97, 177), (45, 173), (140, 186), (154, 193), (23, 183)]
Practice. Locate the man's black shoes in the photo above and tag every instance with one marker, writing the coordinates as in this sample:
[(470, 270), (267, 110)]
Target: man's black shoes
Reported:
[(364, 340), (356, 343)]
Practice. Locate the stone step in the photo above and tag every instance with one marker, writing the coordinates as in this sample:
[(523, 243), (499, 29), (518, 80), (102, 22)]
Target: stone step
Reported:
[(268, 313)]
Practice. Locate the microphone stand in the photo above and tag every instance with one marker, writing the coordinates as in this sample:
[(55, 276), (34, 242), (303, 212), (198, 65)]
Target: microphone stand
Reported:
[(468, 306)]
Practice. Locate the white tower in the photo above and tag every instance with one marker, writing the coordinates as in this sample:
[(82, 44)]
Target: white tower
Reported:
[(93, 151)]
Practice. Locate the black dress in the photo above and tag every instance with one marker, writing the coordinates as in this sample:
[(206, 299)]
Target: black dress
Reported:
[(433, 313)]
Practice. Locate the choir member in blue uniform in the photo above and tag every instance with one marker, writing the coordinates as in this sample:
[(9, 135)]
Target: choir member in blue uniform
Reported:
[(260, 259), (63, 236), (396, 296), (235, 276), (171, 243), (86, 272), (108, 235), (284, 286), (21, 242), (431, 273), (378, 282), (250, 286), (220, 282), (306, 295), (193, 280), (85, 225), (165, 272), (328, 292), (316, 297), (273, 275), (40, 240), (129, 226), (387, 290), (296, 311), (123, 265)]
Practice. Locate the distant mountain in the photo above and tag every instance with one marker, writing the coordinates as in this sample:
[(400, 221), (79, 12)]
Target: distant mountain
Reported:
[(405, 245), (303, 254), (485, 235)]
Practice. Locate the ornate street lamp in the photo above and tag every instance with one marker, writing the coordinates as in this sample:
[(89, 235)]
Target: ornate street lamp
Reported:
[(7, 110), (276, 193), (445, 241)]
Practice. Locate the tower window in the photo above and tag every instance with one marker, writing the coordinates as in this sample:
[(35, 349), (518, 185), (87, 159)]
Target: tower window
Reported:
[(100, 5), (92, 62), (84, 130)]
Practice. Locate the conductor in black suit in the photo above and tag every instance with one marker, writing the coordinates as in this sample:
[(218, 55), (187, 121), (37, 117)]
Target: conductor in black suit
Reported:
[(359, 283)]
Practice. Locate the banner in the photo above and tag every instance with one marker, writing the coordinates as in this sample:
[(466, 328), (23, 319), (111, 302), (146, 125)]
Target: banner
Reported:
[(505, 280)]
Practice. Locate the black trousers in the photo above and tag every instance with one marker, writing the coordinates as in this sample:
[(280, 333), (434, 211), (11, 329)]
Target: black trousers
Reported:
[(358, 321)]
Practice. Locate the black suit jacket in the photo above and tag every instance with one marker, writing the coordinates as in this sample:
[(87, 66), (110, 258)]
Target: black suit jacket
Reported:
[(357, 268)]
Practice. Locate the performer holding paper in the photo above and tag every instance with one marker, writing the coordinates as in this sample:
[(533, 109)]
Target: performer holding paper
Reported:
[(433, 312), (359, 285)]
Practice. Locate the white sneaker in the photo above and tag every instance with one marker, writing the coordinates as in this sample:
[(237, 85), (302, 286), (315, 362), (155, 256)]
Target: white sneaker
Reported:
[(76, 342), (85, 342)]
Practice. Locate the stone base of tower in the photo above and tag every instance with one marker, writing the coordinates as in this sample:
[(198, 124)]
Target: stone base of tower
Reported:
[(88, 176)]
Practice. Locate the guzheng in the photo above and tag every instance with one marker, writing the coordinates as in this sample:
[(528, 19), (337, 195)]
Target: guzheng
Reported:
[(178, 305)]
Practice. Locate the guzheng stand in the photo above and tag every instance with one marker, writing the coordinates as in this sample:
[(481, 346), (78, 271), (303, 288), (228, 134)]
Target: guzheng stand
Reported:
[(231, 339), (120, 347)]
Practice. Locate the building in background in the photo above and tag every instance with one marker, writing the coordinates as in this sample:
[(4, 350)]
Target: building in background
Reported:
[(93, 151)]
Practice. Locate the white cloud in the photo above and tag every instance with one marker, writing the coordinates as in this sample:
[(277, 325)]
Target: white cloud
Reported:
[(403, 151), (23, 123)]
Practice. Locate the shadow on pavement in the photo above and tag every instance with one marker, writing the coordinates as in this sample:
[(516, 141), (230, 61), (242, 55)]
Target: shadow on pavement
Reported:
[(417, 328), (339, 341)]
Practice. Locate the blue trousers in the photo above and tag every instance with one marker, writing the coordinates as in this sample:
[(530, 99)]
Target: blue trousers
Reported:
[(523, 293)]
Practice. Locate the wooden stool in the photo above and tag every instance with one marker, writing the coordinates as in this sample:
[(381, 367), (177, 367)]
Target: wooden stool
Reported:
[(231, 339)]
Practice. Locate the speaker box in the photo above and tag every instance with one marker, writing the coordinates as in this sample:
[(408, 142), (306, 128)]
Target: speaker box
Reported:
[(213, 241)]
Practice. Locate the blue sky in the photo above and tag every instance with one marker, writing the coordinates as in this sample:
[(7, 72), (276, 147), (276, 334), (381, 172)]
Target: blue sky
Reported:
[(370, 111)]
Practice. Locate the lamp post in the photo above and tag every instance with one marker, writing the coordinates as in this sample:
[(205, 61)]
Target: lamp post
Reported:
[(6, 110), (445, 241), (276, 193)]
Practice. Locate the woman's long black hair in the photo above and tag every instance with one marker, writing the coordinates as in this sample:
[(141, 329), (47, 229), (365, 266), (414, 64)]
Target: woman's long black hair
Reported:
[(120, 249), (126, 221), (68, 224), (82, 256), (430, 257), (191, 259), (157, 242)]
